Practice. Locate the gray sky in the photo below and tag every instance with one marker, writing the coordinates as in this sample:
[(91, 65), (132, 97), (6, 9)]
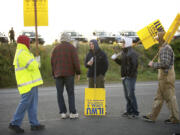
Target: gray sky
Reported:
[(86, 16)]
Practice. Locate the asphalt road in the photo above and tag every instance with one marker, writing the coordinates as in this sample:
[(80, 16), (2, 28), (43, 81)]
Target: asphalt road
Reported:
[(111, 124)]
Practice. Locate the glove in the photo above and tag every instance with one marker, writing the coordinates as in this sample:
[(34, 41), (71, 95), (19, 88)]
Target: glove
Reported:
[(114, 56), (38, 59)]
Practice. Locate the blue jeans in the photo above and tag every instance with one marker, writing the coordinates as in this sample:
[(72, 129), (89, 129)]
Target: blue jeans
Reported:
[(29, 102), (68, 82), (129, 92)]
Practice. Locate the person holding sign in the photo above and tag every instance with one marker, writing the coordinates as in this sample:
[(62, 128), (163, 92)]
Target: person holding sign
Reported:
[(65, 64), (166, 89), (129, 65), (97, 63), (28, 79)]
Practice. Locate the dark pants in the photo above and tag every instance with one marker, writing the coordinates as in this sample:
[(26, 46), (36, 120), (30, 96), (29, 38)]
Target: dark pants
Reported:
[(99, 82), (12, 40), (68, 82), (129, 92)]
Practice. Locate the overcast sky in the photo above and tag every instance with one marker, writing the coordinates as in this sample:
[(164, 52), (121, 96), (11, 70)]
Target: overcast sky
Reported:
[(86, 16)]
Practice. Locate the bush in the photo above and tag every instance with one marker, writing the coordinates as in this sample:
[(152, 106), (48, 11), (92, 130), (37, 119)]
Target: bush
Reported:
[(7, 77)]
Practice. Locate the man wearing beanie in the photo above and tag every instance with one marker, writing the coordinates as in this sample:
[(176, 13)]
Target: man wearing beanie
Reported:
[(28, 79), (166, 88), (65, 64)]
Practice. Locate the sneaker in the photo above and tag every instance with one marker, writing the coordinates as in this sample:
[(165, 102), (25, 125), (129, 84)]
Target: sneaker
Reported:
[(133, 116), (74, 115), (37, 127), (16, 128), (145, 118), (64, 116), (126, 114)]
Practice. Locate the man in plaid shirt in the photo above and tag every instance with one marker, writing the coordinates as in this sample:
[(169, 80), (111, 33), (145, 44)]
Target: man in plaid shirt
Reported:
[(166, 57), (65, 64), (166, 89)]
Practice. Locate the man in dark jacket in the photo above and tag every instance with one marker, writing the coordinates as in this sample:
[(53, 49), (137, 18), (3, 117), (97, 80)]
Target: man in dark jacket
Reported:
[(97, 64), (65, 64), (129, 65)]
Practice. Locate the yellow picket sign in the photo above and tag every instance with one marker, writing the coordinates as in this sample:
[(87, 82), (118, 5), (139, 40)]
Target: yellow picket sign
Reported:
[(95, 102), (147, 34), (42, 13), (172, 29)]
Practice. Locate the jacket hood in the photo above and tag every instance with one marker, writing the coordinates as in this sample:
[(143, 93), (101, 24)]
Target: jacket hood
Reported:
[(127, 41), (96, 46)]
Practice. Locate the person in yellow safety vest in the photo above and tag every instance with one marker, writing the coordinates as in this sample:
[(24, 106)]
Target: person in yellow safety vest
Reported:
[(28, 77)]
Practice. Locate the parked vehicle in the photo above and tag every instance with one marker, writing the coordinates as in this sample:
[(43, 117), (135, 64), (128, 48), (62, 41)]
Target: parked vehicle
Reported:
[(3, 38), (130, 34), (118, 37), (32, 37), (104, 37), (76, 36)]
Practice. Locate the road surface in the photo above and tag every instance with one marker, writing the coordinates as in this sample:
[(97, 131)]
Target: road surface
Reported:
[(112, 124)]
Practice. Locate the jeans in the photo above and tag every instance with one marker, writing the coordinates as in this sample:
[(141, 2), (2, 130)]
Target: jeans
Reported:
[(68, 82), (29, 102), (129, 92)]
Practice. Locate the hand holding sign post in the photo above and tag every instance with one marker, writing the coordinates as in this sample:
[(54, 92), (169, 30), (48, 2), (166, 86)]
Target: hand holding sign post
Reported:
[(147, 35)]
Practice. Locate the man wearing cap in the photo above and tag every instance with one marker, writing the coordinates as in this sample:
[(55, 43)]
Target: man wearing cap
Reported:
[(129, 64), (166, 89), (65, 64), (28, 79)]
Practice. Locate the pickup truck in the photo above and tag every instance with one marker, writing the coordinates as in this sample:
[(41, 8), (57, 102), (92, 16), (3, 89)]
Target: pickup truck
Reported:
[(130, 34), (104, 37), (32, 37), (75, 36)]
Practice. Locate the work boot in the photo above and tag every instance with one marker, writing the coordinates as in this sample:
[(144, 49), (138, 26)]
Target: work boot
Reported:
[(37, 127), (133, 116), (168, 121), (16, 128), (146, 118), (125, 114)]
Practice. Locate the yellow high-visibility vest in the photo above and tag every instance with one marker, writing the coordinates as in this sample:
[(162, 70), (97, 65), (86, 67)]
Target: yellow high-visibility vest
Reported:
[(26, 70)]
